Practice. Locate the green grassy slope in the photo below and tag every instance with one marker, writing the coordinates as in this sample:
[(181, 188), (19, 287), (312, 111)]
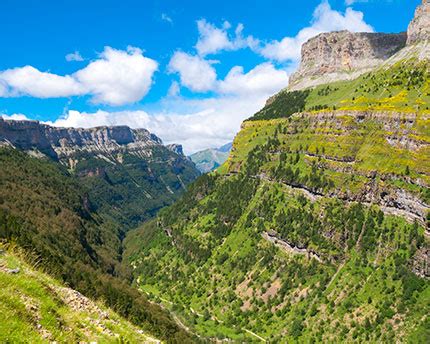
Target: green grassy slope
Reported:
[(46, 211), (315, 228), (35, 308), (403, 87)]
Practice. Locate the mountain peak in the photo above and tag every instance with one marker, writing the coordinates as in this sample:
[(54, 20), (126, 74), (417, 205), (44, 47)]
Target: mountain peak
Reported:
[(419, 28), (343, 55)]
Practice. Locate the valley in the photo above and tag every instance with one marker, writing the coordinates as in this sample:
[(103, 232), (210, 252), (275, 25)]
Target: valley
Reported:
[(313, 226)]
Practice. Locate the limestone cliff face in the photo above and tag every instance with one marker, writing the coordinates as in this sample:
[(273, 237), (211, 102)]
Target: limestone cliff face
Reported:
[(69, 145), (343, 55), (419, 28)]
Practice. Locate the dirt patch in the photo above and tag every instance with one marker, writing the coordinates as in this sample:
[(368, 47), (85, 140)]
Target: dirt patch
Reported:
[(272, 291), (243, 291)]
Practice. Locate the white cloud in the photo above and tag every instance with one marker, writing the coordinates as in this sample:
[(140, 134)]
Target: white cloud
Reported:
[(325, 19), (174, 89), (351, 2), (202, 123), (75, 56), (263, 79), (195, 73), (116, 78), (214, 39), (165, 17), (15, 117), (32, 82)]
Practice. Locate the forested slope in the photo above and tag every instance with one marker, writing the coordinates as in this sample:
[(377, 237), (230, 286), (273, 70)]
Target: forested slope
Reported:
[(46, 211), (315, 229)]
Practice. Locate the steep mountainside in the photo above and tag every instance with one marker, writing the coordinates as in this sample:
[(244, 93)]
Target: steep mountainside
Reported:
[(35, 308), (128, 172), (316, 229), (210, 159), (419, 29), (46, 211)]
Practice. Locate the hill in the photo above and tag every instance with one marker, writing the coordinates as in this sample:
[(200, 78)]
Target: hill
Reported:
[(129, 173)]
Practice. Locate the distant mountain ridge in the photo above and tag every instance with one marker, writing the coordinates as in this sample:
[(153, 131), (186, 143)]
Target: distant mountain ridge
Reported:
[(128, 169), (210, 159), (69, 143)]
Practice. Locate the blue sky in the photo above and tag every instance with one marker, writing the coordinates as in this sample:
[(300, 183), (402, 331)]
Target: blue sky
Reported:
[(190, 71)]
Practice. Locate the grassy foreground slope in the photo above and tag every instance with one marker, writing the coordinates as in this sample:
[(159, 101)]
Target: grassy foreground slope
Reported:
[(35, 308), (315, 228), (402, 87), (45, 211)]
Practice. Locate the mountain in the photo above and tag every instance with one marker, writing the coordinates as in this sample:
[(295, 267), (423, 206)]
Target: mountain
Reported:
[(69, 196), (36, 308), (129, 172), (210, 159), (343, 56), (316, 229), (45, 211)]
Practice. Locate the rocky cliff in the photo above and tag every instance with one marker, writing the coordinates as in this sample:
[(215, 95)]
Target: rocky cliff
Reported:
[(419, 28), (129, 173), (343, 55), (71, 144)]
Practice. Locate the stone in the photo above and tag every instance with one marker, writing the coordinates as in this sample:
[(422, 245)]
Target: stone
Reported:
[(343, 55), (13, 271), (419, 28), (69, 145)]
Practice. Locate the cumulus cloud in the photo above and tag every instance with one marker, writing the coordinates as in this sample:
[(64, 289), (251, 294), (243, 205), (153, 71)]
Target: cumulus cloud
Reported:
[(325, 19), (32, 82), (197, 123), (201, 124), (213, 39), (198, 75), (15, 117), (263, 79), (75, 56), (195, 73), (116, 78)]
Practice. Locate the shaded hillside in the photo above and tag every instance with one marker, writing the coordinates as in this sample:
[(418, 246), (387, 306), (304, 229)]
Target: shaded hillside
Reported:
[(46, 211), (129, 173)]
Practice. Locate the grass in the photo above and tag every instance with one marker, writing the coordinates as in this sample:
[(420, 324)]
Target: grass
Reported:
[(35, 308)]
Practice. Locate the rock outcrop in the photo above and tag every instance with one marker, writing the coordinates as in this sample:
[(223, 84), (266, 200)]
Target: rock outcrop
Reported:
[(419, 28), (343, 55), (175, 148), (68, 145)]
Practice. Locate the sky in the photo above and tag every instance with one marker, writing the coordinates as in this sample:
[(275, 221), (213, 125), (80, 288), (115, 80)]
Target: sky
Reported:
[(190, 71)]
